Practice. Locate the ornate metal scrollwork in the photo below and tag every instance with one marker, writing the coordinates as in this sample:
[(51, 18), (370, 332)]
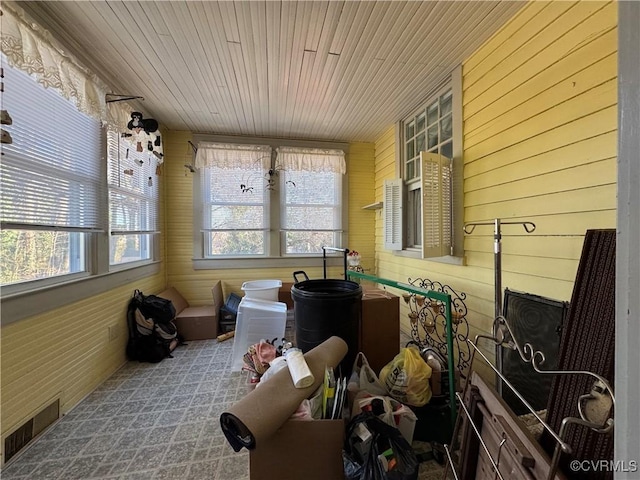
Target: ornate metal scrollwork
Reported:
[(428, 322)]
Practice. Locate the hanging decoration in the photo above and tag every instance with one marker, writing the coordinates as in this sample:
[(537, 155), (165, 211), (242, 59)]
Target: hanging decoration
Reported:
[(145, 135), (189, 166)]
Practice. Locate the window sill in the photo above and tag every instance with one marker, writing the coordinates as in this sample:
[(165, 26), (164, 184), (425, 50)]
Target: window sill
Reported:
[(447, 259), (262, 262), (21, 305)]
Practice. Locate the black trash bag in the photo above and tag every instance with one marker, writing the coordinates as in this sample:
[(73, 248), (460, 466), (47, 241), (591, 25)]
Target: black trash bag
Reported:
[(385, 439), (352, 471)]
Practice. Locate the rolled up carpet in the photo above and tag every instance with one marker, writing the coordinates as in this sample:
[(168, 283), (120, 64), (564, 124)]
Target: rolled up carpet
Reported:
[(258, 416)]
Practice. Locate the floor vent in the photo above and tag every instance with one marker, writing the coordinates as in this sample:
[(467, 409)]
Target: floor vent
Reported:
[(30, 429)]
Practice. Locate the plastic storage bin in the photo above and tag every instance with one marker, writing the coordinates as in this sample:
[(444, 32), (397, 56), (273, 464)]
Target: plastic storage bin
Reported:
[(262, 289), (257, 320)]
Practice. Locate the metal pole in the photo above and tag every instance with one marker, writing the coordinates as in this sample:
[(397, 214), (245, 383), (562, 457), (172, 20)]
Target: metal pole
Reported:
[(497, 251), (497, 237)]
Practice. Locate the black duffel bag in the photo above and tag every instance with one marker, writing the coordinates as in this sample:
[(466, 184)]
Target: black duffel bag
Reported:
[(159, 309)]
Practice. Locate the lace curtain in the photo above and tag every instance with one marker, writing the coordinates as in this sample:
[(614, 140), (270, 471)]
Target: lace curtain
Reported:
[(226, 155), (311, 160), (29, 47)]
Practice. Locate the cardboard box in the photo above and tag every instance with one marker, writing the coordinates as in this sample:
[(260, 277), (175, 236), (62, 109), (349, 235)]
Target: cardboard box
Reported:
[(200, 326), (284, 295), (195, 323), (301, 449), (380, 327)]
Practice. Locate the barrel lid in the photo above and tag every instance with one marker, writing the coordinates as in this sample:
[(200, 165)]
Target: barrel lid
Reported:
[(328, 287), (260, 304)]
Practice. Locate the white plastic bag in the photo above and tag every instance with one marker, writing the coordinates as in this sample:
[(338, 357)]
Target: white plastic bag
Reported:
[(395, 413), (364, 378)]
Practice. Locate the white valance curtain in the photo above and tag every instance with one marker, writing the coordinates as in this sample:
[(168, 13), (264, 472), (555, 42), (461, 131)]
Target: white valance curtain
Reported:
[(311, 160), (30, 48), (227, 155)]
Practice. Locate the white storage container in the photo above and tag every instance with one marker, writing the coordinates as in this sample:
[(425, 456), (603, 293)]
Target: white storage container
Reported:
[(257, 319), (262, 289)]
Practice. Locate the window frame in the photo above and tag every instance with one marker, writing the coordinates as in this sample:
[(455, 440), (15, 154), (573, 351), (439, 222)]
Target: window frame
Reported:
[(28, 298), (336, 233), (207, 230), (149, 235), (453, 82), (273, 257)]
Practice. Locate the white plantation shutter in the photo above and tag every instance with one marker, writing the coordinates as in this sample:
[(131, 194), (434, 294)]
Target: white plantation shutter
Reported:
[(392, 212), (436, 205)]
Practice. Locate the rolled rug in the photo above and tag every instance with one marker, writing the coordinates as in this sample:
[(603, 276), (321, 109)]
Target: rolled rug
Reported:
[(258, 416)]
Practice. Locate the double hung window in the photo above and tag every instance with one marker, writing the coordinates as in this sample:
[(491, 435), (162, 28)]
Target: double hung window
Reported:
[(312, 203), (235, 205), (133, 201), (423, 207), (52, 182), (269, 201)]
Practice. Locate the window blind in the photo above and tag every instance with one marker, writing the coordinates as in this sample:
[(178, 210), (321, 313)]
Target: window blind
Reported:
[(52, 172), (235, 203), (133, 187)]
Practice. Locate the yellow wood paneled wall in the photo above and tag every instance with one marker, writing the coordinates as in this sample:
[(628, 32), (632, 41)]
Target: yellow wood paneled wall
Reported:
[(195, 285), (361, 193), (64, 353), (539, 111)]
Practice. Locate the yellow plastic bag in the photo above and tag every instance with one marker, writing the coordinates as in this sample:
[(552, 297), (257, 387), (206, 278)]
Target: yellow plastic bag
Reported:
[(407, 377)]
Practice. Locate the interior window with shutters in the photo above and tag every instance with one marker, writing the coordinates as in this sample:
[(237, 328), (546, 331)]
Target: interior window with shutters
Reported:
[(133, 201), (431, 172), (52, 183)]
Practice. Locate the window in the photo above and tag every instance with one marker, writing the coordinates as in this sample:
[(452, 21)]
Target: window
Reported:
[(54, 195), (52, 183), (269, 201), (235, 202), (312, 203), (133, 199), (424, 211)]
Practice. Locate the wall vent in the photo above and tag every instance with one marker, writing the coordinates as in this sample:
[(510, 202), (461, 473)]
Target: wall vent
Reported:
[(30, 429)]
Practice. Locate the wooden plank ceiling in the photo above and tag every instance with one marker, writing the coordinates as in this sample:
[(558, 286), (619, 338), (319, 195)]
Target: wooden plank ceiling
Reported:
[(326, 70)]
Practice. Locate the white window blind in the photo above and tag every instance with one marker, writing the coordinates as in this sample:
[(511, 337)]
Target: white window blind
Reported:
[(311, 211), (133, 188), (52, 173), (235, 209)]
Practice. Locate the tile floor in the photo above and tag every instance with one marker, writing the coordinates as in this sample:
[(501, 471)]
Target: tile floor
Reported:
[(151, 421)]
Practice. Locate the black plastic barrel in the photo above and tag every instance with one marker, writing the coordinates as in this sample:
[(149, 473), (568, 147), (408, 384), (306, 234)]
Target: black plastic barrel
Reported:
[(324, 308)]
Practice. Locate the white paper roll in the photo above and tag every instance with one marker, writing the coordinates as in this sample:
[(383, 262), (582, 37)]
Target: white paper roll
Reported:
[(298, 368)]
